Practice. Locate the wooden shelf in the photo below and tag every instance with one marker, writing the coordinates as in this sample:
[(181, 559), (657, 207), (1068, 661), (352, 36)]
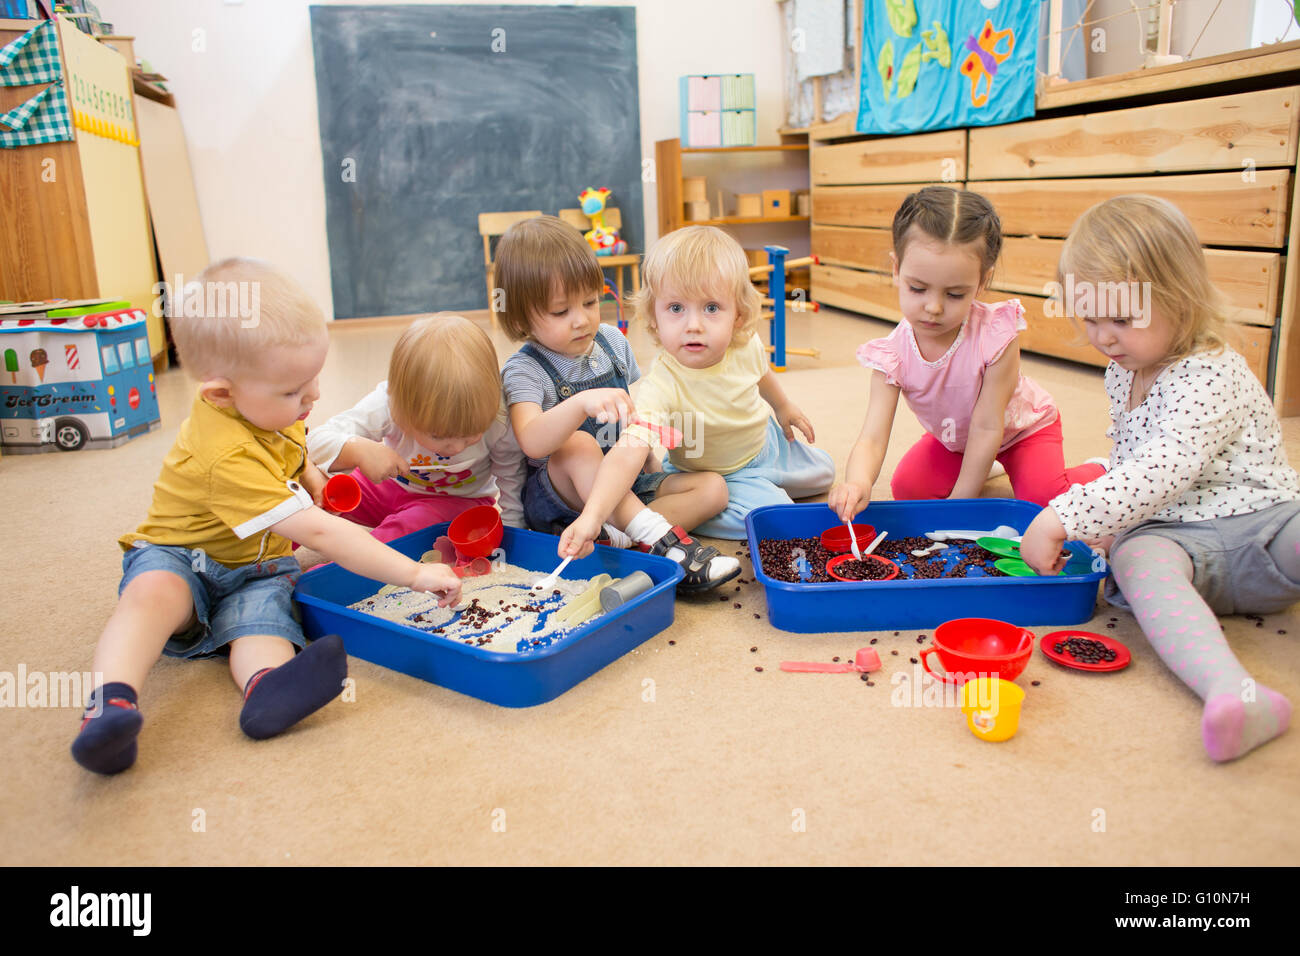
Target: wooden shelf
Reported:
[(745, 149), (668, 166), (741, 220)]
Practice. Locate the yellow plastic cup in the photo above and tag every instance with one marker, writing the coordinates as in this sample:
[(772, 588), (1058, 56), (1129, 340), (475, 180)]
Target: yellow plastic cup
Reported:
[(992, 707)]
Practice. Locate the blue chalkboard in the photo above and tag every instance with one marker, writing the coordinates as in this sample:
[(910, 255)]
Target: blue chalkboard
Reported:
[(432, 114)]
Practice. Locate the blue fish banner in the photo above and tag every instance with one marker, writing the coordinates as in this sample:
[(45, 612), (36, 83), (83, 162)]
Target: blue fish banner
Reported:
[(942, 64)]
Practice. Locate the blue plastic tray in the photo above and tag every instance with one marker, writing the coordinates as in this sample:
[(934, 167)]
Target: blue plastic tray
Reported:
[(881, 605), (511, 680)]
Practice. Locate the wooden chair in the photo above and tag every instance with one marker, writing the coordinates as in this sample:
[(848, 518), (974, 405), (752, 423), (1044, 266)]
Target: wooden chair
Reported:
[(614, 220), (491, 225)]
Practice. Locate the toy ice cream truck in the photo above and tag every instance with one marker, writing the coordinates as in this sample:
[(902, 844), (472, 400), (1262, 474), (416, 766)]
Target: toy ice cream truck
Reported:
[(75, 376)]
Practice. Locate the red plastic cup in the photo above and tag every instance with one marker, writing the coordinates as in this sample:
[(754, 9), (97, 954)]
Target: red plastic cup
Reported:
[(980, 646), (837, 538), (342, 494), (477, 532), (836, 561)]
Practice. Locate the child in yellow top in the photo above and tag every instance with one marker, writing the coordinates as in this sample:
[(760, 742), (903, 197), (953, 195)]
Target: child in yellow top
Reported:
[(712, 383), (210, 571)]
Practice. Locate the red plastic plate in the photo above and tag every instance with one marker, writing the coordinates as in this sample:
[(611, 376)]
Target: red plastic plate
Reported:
[(1122, 656)]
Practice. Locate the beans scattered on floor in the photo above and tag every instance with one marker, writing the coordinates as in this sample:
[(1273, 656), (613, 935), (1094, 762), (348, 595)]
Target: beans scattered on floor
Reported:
[(759, 669), (895, 653), (753, 650), (672, 642), (1035, 683)]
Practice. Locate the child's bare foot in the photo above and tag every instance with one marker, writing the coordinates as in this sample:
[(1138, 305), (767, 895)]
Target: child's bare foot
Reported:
[(1232, 727), (276, 698)]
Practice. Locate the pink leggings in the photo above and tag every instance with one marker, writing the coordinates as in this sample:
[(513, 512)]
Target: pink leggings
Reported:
[(1035, 465), (393, 511)]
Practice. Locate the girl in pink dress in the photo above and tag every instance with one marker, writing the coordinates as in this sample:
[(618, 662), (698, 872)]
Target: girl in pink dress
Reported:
[(956, 362)]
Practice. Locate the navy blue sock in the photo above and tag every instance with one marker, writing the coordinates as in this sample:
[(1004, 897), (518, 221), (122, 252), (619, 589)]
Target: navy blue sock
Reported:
[(276, 698), (106, 743)]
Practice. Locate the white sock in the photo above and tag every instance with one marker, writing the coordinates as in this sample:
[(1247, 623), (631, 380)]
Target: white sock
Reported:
[(617, 539), (647, 526)]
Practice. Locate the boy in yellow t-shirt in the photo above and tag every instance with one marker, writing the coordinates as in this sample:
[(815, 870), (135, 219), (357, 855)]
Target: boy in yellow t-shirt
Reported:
[(712, 383), (210, 571)]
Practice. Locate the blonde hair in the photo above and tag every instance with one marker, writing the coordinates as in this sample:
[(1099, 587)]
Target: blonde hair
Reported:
[(235, 310), (531, 257), (699, 262), (443, 378), (1148, 240)]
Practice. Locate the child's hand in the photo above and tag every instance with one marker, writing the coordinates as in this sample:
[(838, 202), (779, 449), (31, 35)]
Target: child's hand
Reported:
[(576, 541), (788, 416), (606, 404), (847, 499), (313, 479), (1040, 548), (377, 461), (438, 579)]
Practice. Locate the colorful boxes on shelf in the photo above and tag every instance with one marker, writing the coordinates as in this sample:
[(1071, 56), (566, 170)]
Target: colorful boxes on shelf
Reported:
[(718, 110)]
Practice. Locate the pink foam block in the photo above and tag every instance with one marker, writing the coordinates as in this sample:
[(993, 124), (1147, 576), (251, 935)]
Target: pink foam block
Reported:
[(867, 660)]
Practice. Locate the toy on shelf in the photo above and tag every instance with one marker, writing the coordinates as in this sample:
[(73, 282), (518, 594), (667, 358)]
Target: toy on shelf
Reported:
[(601, 238), (775, 270), (609, 290), (80, 376)]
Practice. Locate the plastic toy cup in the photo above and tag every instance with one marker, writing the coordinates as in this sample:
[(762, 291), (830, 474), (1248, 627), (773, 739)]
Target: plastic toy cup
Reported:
[(992, 707), (834, 563), (477, 532), (342, 494), (979, 645), (837, 538)]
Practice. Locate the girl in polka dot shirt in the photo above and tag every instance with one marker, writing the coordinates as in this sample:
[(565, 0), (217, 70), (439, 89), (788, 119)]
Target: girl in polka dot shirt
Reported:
[(1199, 509)]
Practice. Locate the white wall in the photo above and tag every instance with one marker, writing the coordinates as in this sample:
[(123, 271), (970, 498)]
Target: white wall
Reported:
[(244, 79)]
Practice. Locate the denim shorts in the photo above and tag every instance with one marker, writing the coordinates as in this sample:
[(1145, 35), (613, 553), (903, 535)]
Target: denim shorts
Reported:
[(1231, 565), (545, 510), (229, 603)]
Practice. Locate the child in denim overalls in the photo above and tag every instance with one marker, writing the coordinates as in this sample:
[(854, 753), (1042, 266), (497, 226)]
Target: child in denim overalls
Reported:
[(566, 390)]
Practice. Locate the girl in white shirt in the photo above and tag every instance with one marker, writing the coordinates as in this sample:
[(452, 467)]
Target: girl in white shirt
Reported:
[(431, 441), (1199, 509)]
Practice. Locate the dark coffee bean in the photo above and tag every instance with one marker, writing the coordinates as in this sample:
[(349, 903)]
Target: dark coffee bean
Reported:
[(835, 660), (753, 650), (873, 640), (757, 616), (864, 677), (895, 653), (672, 642), (871, 683), (912, 659), (759, 669), (1281, 631), (736, 605), (1035, 682)]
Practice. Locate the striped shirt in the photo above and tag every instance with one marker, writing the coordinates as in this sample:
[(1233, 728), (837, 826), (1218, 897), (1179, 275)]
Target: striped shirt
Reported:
[(526, 381)]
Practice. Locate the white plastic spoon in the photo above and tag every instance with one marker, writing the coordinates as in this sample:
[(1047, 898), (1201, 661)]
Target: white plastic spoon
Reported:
[(547, 581), (875, 541), (853, 540)]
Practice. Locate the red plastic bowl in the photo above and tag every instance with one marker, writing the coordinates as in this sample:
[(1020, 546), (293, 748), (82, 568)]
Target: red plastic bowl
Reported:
[(836, 561), (477, 532), (979, 645), (837, 538)]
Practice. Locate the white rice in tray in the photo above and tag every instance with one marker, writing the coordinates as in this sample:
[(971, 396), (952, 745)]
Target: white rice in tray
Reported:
[(499, 611)]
